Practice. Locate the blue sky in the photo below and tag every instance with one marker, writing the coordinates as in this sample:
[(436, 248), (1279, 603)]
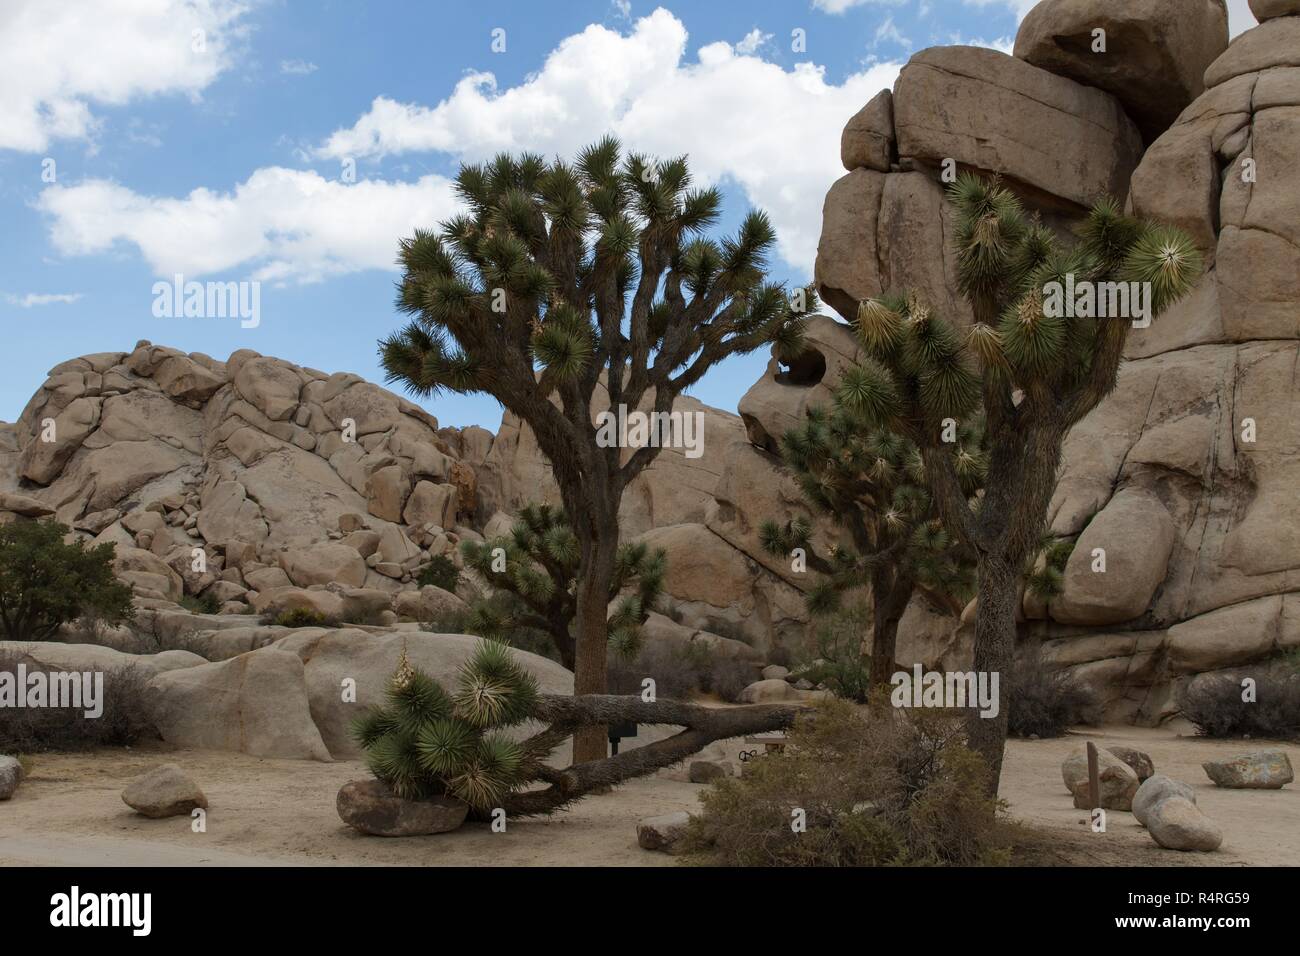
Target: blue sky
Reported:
[(140, 139)]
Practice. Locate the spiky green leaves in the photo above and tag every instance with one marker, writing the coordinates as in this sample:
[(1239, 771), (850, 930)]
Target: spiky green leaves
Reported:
[(1166, 258), (425, 742), (563, 343), (868, 392), (990, 226)]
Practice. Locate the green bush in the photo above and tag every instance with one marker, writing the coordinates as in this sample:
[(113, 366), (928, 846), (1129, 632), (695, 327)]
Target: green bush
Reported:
[(878, 786), (441, 572), (1214, 704), (839, 660), (1045, 704), (46, 581), (299, 617), (207, 604)]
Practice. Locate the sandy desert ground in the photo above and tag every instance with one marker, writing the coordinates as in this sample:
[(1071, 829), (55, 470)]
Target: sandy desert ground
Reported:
[(69, 811)]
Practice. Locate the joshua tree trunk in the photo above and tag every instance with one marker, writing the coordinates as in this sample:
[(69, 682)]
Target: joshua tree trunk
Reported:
[(891, 590), (995, 643), (591, 672)]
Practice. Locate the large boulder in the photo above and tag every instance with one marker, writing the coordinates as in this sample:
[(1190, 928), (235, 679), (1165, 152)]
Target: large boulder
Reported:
[(1258, 770), (1176, 823), (1134, 535), (255, 703), (868, 138), (165, 791), (324, 564), (995, 113), (369, 806), (1272, 9), (1155, 55), (1156, 789), (11, 774)]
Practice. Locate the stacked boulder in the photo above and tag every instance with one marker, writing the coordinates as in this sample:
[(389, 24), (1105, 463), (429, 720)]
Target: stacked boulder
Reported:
[(1183, 478)]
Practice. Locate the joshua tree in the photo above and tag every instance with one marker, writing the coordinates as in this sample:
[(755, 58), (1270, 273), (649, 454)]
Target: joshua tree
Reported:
[(45, 581), (563, 278), (871, 483), (535, 571), (426, 742), (1030, 364)]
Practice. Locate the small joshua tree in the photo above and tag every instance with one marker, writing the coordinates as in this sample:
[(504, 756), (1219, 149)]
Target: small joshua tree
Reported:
[(1030, 369), (426, 742), (535, 572), (871, 483), (564, 279)]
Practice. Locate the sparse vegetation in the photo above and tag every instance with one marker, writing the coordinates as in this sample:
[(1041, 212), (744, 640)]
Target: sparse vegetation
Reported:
[(441, 572), (299, 617), (124, 720), (839, 659), (1041, 703), (681, 671), (1215, 705), (876, 786), (204, 604)]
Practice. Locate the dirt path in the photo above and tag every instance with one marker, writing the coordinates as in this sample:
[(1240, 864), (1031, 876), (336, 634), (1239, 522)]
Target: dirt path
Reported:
[(281, 812)]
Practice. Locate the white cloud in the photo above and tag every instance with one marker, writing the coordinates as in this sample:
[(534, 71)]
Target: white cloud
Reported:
[(753, 41), (773, 131), (42, 298), (887, 31), (837, 7), (1019, 7), (1003, 44), (58, 58), (281, 224), (297, 67)]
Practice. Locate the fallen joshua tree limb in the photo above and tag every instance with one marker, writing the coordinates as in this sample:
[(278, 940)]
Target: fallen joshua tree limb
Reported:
[(427, 742), (702, 726)]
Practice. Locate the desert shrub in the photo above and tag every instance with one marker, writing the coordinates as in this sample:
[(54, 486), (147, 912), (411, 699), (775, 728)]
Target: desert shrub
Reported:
[(206, 604), (1214, 705), (1043, 703), (441, 572), (299, 617), (125, 718), (879, 786), (680, 671), (838, 659), (46, 581)]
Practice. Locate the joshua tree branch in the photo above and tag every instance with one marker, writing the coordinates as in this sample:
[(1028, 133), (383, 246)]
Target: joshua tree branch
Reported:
[(703, 725)]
